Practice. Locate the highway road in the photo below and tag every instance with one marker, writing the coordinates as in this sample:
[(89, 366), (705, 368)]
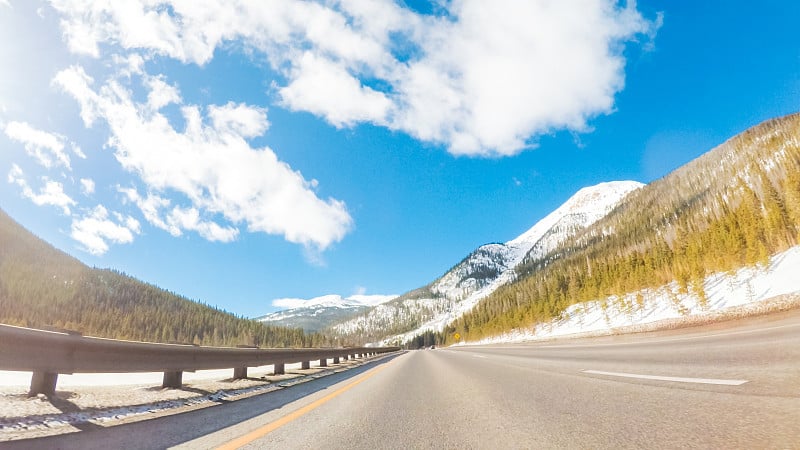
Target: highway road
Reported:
[(733, 385)]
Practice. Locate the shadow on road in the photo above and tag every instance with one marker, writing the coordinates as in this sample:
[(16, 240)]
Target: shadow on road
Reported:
[(175, 429)]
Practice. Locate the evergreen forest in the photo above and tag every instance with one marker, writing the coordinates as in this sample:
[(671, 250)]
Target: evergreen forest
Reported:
[(42, 287)]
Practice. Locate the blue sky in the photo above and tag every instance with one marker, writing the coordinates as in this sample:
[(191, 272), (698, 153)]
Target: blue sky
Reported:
[(298, 149)]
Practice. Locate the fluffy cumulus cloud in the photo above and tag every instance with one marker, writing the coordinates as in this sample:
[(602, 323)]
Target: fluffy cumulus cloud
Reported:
[(483, 78), (96, 229), (209, 163), (325, 88)]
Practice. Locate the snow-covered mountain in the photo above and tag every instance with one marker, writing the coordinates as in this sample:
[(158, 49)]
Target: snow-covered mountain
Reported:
[(483, 271), (321, 312)]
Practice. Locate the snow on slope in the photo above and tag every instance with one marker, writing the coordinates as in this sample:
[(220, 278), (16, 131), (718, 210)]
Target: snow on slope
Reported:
[(326, 301), (317, 313), (489, 267), (747, 291)]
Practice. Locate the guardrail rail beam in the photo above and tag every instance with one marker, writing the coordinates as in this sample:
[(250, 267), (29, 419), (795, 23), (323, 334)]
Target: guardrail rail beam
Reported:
[(49, 353)]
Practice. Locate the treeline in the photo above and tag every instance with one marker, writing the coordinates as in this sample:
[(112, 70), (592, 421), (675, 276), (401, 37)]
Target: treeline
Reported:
[(41, 287), (425, 339), (732, 207)]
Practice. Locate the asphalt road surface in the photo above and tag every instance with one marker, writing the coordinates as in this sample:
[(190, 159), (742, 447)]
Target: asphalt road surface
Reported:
[(733, 385)]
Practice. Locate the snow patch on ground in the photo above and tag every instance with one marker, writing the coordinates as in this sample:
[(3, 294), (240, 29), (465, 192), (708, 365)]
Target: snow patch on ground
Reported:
[(10, 378), (744, 288)]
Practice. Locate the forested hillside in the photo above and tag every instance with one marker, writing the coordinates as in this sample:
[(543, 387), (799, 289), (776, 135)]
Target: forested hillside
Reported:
[(44, 287), (732, 207)]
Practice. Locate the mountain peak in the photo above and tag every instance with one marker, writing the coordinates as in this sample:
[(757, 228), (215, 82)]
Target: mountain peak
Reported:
[(487, 268), (592, 202), (600, 196)]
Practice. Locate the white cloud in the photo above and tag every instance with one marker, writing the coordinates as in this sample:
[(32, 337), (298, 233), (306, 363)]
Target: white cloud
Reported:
[(325, 88), (507, 71), (50, 194), (239, 120), (189, 219), (46, 148), (77, 150), (15, 175), (211, 164), (151, 207), (95, 230), (177, 220), (485, 78), (289, 303), (87, 186), (129, 65), (161, 93)]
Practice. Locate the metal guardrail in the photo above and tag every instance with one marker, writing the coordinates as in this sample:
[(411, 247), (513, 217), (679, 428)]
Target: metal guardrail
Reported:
[(49, 353)]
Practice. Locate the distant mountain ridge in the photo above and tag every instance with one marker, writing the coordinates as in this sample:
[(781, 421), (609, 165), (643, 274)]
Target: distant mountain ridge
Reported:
[(483, 271), (320, 312)]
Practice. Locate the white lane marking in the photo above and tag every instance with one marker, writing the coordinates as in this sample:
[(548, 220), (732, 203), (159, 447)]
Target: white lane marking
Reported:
[(479, 356), (663, 378)]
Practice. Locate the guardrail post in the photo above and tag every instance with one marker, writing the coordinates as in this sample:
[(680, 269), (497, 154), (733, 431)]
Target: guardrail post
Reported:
[(43, 383), (305, 365), (279, 369), (323, 362), (173, 379), (336, 360), (239, 373)]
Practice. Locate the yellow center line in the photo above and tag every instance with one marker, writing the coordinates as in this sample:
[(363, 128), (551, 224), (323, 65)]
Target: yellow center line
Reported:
[(272, 426)]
